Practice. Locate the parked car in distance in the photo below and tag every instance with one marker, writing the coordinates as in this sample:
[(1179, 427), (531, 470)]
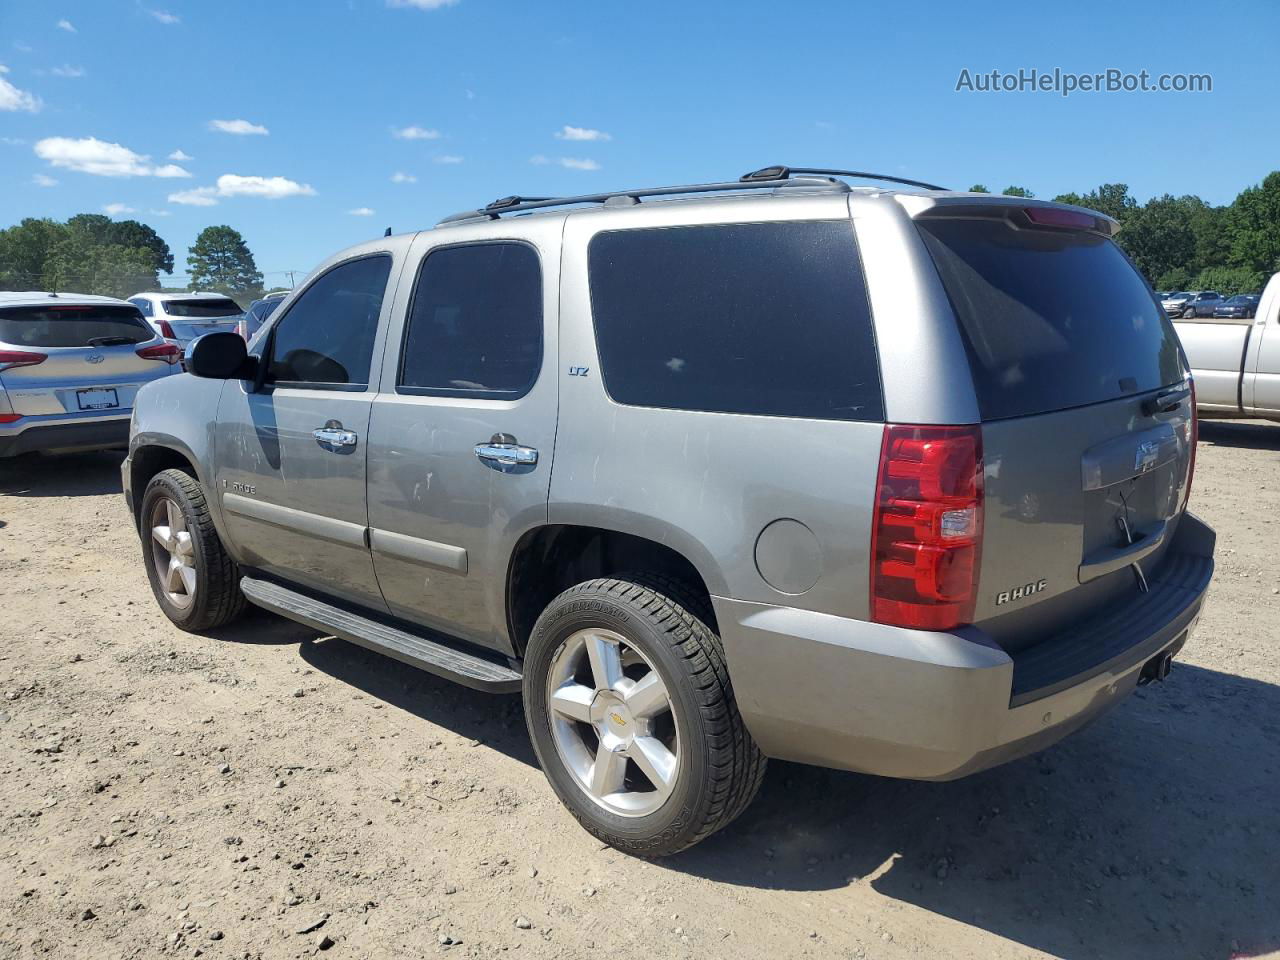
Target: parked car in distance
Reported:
[(515, 451), (1242, 307), (1237, 365), (1196, 303), (1173, 303), (70, 366), (256, 314), (181, 317)]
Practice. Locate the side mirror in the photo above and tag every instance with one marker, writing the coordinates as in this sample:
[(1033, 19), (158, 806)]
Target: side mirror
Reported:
[(220, 356)]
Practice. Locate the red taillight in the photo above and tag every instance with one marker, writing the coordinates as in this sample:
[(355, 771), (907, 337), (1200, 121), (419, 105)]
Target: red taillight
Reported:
[(926, 537), (20, 358), (166, 352), (166, 331), (1195, 442), (1057, 217), (10, 417)]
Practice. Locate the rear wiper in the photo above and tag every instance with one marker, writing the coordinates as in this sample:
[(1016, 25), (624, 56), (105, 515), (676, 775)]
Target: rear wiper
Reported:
[(110, 341)]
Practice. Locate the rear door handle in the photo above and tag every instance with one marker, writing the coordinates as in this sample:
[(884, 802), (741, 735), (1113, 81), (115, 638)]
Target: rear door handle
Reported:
[(503, 451), (334, 434)]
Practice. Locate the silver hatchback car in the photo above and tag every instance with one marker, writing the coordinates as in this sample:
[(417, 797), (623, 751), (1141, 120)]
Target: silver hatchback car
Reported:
[(886, 480), (70, 366)]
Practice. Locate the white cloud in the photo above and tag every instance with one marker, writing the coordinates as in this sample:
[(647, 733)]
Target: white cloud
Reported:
[(164, 16), (422, 4), (579, 163), (180, 156), (115, 209), (199, 197), (449, 158), (65, 24), (415, 133), (22, 47), (362, 212), (44, 180), (399, 177), (239, 127), (66, 70), (11, 98), (231, 185), (103, 159), (581, 133)]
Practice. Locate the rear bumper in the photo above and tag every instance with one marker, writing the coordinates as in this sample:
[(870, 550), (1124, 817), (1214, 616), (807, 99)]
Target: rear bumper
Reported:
[(62, 435), (841, 693)]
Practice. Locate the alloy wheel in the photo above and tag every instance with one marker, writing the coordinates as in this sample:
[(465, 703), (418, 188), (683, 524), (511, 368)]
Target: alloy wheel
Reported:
[(173, 553)]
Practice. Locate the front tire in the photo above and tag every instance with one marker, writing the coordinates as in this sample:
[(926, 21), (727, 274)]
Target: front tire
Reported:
[(194, 580), (633, 719)]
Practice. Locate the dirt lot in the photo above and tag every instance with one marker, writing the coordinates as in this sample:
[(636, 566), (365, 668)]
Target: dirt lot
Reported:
[(269, 793)]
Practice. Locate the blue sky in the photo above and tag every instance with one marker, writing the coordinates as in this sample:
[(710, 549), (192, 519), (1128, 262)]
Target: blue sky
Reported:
[(661, 92)]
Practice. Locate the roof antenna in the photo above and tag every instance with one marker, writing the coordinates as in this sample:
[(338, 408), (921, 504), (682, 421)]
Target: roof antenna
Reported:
[(388, 233)]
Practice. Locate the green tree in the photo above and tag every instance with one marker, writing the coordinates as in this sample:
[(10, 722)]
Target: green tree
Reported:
[(25, 252), (220, 260), (123, 233), (1017, 192), (1160, 235), (1254, 226), (979, 188), (1229, 281), (1111, 198)]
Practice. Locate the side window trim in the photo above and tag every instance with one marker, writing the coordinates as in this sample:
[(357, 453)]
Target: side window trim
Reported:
[(276, 319), (461, 393)]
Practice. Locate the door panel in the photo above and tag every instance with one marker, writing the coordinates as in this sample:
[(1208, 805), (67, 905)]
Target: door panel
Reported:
[(295, 507), (1266, 382), (443, 522)]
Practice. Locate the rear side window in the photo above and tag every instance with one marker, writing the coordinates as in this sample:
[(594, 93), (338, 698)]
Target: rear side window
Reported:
[(72, 326), (326, 338), (755, 318), (1052, 319), (475, 326), (202, 307)]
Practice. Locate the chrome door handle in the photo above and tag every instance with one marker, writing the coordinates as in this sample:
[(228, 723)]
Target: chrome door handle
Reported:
[(335, 435), (504, 454)]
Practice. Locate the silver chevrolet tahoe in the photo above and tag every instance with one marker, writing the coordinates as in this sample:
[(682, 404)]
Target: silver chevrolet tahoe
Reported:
[(884, 480)]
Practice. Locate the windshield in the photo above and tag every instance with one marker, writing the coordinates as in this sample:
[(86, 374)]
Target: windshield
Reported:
[(72, 326), (1052, 319), (203, 307)]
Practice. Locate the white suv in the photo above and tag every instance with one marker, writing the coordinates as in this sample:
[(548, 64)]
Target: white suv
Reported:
[(181, 317)]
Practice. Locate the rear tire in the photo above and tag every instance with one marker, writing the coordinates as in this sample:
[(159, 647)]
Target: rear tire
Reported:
[(647, 775), (194, 580)]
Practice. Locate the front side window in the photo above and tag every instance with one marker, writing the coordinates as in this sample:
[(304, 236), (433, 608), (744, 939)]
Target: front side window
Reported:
[(770, 319), (475, 324), (326, 338)]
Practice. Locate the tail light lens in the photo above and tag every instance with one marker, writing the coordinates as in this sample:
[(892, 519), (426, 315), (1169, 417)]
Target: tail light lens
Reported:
[(927, 530), (20, 358), (165, 352), (1195, 442), (166, 330)]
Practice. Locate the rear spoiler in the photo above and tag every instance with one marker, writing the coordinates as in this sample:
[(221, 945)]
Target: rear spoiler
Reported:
[(1021, 210)]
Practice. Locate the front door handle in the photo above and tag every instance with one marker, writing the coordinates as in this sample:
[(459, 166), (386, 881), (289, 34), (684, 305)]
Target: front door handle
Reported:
[(502, 452), (334, 434)]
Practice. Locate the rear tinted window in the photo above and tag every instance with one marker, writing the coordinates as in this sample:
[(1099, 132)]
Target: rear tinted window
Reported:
[(1052, 319), (72, 326), (755, 318), (203, 307)]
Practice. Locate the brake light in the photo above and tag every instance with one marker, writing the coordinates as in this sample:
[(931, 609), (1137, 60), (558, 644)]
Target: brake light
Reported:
[(1057, 217), (20, 358), (165, 352), (926, 537), (166, 331), (1195, 442), (10, 417)]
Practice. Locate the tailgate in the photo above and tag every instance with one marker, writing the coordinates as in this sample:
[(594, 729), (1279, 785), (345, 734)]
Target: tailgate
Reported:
[(1086, 418)]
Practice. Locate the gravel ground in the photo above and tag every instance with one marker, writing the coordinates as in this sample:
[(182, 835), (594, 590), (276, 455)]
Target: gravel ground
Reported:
[(269, 793)]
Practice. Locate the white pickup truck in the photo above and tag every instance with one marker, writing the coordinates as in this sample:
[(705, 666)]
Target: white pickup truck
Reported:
[(1236, 362)]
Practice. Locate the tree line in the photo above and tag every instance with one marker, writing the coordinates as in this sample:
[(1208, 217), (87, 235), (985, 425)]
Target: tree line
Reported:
[(1184, 243), (1179, 243), (91, 253)]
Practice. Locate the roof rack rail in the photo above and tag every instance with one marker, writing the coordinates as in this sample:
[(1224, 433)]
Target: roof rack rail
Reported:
[(777, 176), (780, 172)]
